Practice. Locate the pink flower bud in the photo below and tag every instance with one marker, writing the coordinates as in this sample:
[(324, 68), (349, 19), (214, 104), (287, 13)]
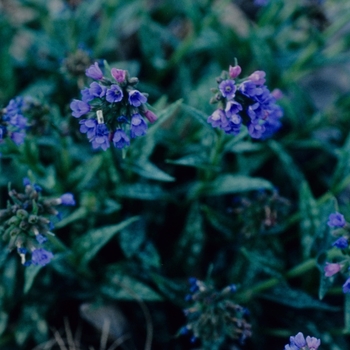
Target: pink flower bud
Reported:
[(258, 77), (118, 74), (277, 94), (235, 71), (150, 116), (331, 269)]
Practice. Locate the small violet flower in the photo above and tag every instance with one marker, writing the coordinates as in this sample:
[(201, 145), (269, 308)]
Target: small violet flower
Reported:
[(18, 137), (114, 94), (341, 243), (79, 108), (336, 220), (138, 126), (41, 239), (136, 99), (94, 72), (313, 343), (151, 117), (258, 77), (67, 199), (228, 89), (101, 137), (118, 74), (97, 90), (346, 286), (331, 269), (41, 257), (298, 340), (120, 139)]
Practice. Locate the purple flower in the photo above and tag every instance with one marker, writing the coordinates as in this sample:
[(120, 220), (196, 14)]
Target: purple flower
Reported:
[(228, 89), (86, 95), (277, 94), (97, 90), (118, 74), (298, 340), (249, 88), (331, 269), (256, 130), (258, 77), (26, 181), (41, 257), (114, 94), (88, 127), (232, 107), (218, 119), (346, 286), (101, 137), (14, 107), (18, 137), (291, 347), (136, 98), (138, 126), (235, 71), (41, 239), (341, 243), (336, 220), (313, 343), (18, 121), (79, 108), (120, 139), (94, 72), (67, 199), (151, 117)]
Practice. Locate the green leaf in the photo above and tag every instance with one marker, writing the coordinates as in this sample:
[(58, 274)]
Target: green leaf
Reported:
[(192, 239), (198, 115), (194, 160), (227, 184), (296, 299), (142, 191), (310, 220), (150, 171), (78, 214), (347, 313), (3, 321), (89, 245), (29, 276)]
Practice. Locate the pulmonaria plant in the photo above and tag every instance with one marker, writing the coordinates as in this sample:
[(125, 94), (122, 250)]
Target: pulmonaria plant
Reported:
[(23, 114), (245, 101), (114, 111), (25, 223), (341, 230), (213, 315), (299, 342)]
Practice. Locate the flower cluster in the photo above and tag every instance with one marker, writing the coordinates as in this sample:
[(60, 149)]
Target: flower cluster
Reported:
[(214, 315), (12, 122), (24, 224), (300, 343), (113, 108), (341, 231), (21, 114), (247, 101)]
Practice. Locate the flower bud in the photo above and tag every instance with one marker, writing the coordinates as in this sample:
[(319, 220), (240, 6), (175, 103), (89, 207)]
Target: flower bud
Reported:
[(151, 117), (32, 219), (118, 74), (21, 213), (235, 71)]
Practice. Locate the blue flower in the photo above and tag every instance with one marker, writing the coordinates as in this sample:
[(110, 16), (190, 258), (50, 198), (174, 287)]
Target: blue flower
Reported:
[(41, 239), (228, 89), (232, 107), (138, 126), (313, 343), (114, 94), (336, 220), (79, 108), (346, 286), (218, 119), (341, 243), (120, 139), (18, 121), (41, 257), (94, 72), (298, 340), (18, 137), (86, 95), (249, 89), (97, 90), (256, 130), (136, 99), (101, 137), (67, 199), (88, 127)]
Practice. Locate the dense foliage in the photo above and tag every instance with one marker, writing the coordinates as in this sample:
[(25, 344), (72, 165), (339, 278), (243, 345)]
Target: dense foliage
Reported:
[(174, 174)]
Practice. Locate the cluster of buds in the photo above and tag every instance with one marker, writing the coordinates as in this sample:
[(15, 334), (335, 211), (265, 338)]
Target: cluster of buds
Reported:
[(245, 101), (213, 316), (300, 343), (113, 109), (24, 224), (341, 230), (21, 114), (260, 211), (75, 65)]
